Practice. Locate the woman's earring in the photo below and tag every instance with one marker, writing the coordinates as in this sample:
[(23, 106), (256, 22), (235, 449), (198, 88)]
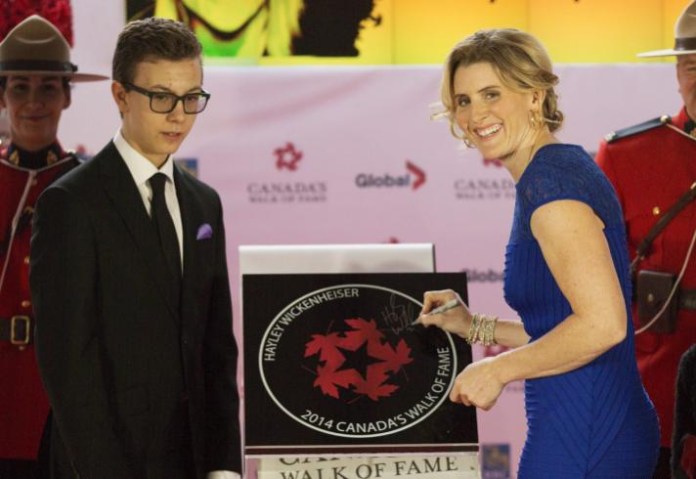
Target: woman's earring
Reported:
[(536, 120), (532, 120), (462, 135), (467, 141)]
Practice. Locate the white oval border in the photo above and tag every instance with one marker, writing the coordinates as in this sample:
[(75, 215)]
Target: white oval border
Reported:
[(333, 433)]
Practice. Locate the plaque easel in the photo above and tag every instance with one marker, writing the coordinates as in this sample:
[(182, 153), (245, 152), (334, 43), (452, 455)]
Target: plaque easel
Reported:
[(339, 384)]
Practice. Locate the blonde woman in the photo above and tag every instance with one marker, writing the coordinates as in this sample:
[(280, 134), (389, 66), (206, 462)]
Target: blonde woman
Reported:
[(566, 274)]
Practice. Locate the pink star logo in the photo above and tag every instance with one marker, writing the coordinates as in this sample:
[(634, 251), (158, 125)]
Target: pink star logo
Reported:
[(287, 157)]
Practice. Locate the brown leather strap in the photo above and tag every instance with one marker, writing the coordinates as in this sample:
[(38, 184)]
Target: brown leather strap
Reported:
[(24, 221), (662, 223)]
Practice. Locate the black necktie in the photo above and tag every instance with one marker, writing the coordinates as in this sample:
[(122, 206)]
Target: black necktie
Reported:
[(166, 232)]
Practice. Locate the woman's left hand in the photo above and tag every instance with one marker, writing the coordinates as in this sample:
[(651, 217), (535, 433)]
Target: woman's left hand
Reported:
[(478, 385)]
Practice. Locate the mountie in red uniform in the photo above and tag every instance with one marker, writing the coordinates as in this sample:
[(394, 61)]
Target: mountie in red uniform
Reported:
[(651, 166), (23, 402)]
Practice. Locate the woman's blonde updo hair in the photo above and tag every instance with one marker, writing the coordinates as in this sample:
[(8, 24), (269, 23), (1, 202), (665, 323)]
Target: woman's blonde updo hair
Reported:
[(518, 58)]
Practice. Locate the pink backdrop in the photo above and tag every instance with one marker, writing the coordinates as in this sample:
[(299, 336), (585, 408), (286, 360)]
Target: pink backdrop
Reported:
[(349, 155)]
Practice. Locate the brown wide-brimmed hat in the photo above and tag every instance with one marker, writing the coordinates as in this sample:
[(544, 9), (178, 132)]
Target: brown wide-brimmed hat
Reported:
[(684, 35), (36, 47)]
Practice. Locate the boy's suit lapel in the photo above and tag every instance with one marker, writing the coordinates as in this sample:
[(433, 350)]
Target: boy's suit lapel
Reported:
[(121, 189), (191, 217)]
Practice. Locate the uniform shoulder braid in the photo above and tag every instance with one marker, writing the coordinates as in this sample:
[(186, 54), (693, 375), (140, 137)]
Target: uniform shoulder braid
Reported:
[(639, 128)]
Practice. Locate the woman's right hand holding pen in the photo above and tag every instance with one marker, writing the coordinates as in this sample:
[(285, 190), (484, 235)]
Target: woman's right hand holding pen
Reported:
[(456, 320)]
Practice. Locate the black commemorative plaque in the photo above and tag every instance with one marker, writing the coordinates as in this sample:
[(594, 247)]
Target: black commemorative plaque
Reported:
[(333, 363)]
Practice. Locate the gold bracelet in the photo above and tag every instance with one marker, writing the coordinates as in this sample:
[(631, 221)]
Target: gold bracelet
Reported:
[(482, 330), (473, 329), (489, 331)]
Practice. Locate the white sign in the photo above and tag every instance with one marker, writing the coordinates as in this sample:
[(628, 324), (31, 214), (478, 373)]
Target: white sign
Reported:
[(451, 466)]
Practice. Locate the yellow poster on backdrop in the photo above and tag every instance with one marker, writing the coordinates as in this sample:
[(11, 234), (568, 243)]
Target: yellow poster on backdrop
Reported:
[(360, 32)]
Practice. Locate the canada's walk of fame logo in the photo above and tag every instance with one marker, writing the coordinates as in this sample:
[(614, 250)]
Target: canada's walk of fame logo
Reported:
[(346, 361)]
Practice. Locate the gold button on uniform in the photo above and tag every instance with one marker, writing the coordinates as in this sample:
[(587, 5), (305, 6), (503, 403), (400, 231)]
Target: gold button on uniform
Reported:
[(26, 303), (656, 211), (26, 260)]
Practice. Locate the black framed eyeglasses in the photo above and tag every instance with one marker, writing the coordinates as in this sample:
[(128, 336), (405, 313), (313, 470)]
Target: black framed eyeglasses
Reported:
[(164, 102)]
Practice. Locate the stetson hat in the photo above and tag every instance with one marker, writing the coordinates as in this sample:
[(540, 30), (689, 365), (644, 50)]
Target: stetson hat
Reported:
[(36, 47), (684, 35)]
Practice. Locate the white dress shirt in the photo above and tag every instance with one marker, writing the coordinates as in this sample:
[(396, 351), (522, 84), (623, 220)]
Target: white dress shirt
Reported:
[(142, 170)]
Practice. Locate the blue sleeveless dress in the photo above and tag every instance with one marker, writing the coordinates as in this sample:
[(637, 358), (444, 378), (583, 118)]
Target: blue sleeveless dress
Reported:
[(595, 421)]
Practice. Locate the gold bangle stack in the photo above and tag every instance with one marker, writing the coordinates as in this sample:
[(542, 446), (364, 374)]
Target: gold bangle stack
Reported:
[(482, 330)]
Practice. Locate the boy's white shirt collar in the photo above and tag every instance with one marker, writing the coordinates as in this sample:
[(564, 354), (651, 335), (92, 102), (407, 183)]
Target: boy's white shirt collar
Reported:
[(140, 167)]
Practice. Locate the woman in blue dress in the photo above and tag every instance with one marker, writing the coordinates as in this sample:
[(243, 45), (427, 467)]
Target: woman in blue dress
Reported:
[(566, 274)]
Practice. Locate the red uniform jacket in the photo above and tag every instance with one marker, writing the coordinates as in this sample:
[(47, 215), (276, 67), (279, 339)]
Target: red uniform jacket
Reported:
[(23, 403), (650, 171)]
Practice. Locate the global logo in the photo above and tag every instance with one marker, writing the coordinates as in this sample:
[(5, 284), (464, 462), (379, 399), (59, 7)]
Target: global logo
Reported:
[(370, 373), (474, 275), (414, 178)]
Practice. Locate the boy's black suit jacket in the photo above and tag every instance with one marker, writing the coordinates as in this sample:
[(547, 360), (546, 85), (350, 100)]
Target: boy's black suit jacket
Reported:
[(116, 353)]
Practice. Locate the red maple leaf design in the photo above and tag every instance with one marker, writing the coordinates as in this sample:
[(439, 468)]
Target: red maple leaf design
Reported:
[(363, 331), (326, 345), (373, 386), (393, 359), (329, 379)]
